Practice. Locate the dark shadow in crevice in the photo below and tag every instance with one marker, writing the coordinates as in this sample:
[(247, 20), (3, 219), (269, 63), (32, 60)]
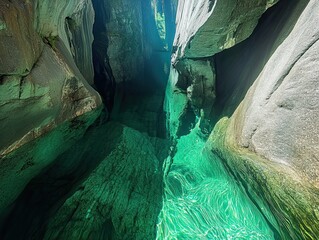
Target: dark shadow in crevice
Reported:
[(103, 77), (138, 103)]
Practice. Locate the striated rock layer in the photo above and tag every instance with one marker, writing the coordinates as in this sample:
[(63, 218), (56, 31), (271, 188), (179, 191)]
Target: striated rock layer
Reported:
[(72, 22)]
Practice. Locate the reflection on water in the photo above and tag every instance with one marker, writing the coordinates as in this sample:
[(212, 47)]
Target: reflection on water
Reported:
[(201, 201)]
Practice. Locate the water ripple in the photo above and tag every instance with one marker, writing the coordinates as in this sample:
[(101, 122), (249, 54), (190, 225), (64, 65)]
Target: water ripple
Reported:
[(201, 201)]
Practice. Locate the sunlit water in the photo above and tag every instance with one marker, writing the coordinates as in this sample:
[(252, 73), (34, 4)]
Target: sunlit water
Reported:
[(201, 201)]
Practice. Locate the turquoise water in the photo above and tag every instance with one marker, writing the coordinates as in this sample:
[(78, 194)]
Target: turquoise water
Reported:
[(201, 201)]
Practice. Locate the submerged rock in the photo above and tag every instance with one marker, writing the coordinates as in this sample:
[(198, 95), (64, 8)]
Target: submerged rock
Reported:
[(18, 167), (121, 198), (202, 201)]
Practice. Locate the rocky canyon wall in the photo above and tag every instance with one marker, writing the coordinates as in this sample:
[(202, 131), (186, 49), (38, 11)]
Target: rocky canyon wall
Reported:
[(259, 95), (46, 65), (47, 174)]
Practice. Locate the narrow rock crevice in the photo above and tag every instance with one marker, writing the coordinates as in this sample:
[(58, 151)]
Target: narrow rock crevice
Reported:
[(103, 77)]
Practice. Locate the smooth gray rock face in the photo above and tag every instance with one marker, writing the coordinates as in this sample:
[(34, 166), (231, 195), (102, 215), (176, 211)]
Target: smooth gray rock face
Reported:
[(282, 107), (271, 141), (238, 67)]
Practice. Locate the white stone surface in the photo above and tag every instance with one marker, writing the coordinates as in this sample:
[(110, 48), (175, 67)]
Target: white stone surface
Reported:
[(281, 110)]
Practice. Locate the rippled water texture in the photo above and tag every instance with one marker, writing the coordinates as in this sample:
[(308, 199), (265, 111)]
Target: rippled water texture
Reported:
[(201, 201)]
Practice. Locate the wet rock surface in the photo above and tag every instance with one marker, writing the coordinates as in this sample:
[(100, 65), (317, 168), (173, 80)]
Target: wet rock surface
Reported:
[(123, 193), (30, 159)]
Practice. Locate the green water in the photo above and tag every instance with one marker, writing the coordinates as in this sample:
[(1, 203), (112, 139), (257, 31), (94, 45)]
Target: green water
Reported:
[(201, 201)]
